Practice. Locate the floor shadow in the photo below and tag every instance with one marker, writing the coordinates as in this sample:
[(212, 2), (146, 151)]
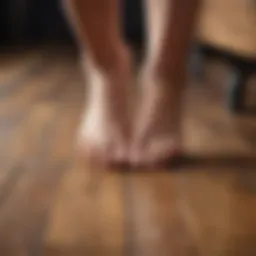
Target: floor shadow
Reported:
[(216, 161), (194, 162)]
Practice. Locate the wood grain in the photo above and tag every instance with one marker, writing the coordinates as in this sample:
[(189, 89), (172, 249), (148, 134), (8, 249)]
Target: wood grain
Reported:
[(53, 203)]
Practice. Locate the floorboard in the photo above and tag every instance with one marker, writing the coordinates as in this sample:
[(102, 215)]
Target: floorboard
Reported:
[(53, 203)]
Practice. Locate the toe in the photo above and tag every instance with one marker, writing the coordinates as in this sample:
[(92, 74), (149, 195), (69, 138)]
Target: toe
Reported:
[(157, 153), (138, 158), (119, 151), (164, 150)]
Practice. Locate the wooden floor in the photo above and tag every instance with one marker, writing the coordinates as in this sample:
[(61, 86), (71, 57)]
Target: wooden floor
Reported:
[(52, 204)]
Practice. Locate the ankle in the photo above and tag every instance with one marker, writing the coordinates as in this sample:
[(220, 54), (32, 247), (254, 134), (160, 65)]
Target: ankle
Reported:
[(164, 73), (111, 62)]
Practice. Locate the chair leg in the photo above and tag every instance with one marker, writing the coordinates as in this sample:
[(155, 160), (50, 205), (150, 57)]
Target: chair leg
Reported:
[(197, 63), (236, 91)]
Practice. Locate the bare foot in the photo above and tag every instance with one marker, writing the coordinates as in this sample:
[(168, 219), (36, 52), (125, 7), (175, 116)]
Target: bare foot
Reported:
[(157, 136), (104, 132)]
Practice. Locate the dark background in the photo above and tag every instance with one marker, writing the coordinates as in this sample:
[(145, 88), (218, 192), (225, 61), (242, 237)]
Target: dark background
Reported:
[(33, 21)]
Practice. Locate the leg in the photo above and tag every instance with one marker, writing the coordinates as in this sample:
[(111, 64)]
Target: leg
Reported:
[(170, 29), (104, 129)]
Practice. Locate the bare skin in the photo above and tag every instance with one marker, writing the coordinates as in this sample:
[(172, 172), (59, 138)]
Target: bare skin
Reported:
[(104, 132), (158, 132), (105, 128)]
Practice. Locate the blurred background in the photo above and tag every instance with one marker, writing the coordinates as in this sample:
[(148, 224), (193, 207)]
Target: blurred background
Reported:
[(24, 21), (52, 204), (224, 34)]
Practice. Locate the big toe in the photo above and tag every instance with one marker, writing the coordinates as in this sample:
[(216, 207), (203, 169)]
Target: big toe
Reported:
[(156, 153)]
